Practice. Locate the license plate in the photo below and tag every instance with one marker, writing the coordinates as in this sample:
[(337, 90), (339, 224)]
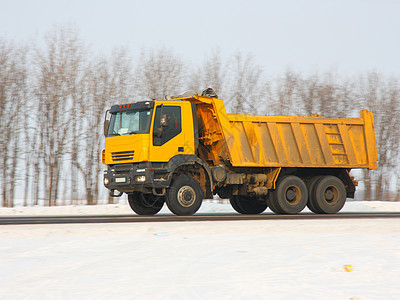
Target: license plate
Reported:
[(120, 179)]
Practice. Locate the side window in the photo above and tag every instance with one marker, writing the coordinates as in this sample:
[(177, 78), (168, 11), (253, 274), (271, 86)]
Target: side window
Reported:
[(173, 128)]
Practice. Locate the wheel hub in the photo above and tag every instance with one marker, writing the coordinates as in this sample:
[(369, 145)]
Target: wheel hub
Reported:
[(330, 195), (293, 195), (186, 196), (290, 195)]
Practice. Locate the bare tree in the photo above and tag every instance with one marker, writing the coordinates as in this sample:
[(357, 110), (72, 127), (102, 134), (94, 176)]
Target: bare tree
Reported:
[(214, 72), (106, 82), (13, 76), (58, 68), (285, 94), (307, 89), (194, 81), (382, 96), (87, 151), (247, 88), (159, 73), (30, 142), (325, 94), (334, 95)]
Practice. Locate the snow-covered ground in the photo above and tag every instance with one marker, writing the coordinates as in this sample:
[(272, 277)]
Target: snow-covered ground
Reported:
[(208, 206), (266, 259)]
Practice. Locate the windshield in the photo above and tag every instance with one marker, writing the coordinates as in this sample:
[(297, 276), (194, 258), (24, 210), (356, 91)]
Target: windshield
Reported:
[(130, 122)]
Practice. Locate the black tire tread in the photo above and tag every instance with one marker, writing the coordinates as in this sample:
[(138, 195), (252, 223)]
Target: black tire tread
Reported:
[(139, 207), (320, 204), (173, 203), (311, 200), (247, 205), (278, 201), (272, 203)]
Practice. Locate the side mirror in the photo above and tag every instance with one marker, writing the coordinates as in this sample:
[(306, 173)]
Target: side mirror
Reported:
[(106, 125), (164, 121)]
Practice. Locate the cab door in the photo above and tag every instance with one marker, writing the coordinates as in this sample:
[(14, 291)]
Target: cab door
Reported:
[(176, 135)]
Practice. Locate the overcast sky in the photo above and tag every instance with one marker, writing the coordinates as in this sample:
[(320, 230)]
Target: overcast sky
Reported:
[(349, 35)]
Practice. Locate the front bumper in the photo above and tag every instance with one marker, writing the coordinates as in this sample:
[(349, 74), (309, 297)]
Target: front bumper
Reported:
[(128, 178)]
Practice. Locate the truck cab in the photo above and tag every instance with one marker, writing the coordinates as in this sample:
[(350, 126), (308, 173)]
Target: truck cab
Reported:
[(145, 142), (149, 131)]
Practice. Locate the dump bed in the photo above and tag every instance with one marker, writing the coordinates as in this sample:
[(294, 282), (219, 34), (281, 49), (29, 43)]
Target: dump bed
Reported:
[(283, 141)]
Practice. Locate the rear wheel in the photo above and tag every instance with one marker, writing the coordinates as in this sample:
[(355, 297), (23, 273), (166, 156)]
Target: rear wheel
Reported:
[(329, 195), (290, 196), (271, 202), (247, 205), (185, 196), (311, 201), (145, 204)]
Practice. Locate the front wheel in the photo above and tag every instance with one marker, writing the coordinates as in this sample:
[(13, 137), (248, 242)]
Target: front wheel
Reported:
[(145, 204), (185, 196)]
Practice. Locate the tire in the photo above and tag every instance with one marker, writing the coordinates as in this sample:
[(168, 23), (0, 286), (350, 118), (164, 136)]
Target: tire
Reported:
[(271, 202), (290, 196), (145, 204), (185, 196), (311, 200), (329, 195), (247, 205), (233, 200)]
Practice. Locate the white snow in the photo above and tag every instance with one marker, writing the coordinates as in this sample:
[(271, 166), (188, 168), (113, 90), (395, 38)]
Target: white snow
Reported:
[(265, 259), (209, 206)]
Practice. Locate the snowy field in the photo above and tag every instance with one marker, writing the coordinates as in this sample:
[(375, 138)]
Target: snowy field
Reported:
[(265, 259)]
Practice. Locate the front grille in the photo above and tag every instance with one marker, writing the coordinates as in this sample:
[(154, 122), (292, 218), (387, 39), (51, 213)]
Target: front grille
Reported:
[(126, 155)]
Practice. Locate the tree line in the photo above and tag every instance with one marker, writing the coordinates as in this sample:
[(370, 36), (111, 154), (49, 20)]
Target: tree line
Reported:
[(54, 93)]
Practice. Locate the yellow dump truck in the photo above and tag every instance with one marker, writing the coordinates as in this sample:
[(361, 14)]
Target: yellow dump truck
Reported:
[(184, 149)]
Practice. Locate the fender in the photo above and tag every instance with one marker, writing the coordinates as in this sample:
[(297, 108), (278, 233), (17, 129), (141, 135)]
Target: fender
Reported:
[(180, 160)]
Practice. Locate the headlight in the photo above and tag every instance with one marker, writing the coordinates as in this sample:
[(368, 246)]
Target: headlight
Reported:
[(106, 181), (141, 178)]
